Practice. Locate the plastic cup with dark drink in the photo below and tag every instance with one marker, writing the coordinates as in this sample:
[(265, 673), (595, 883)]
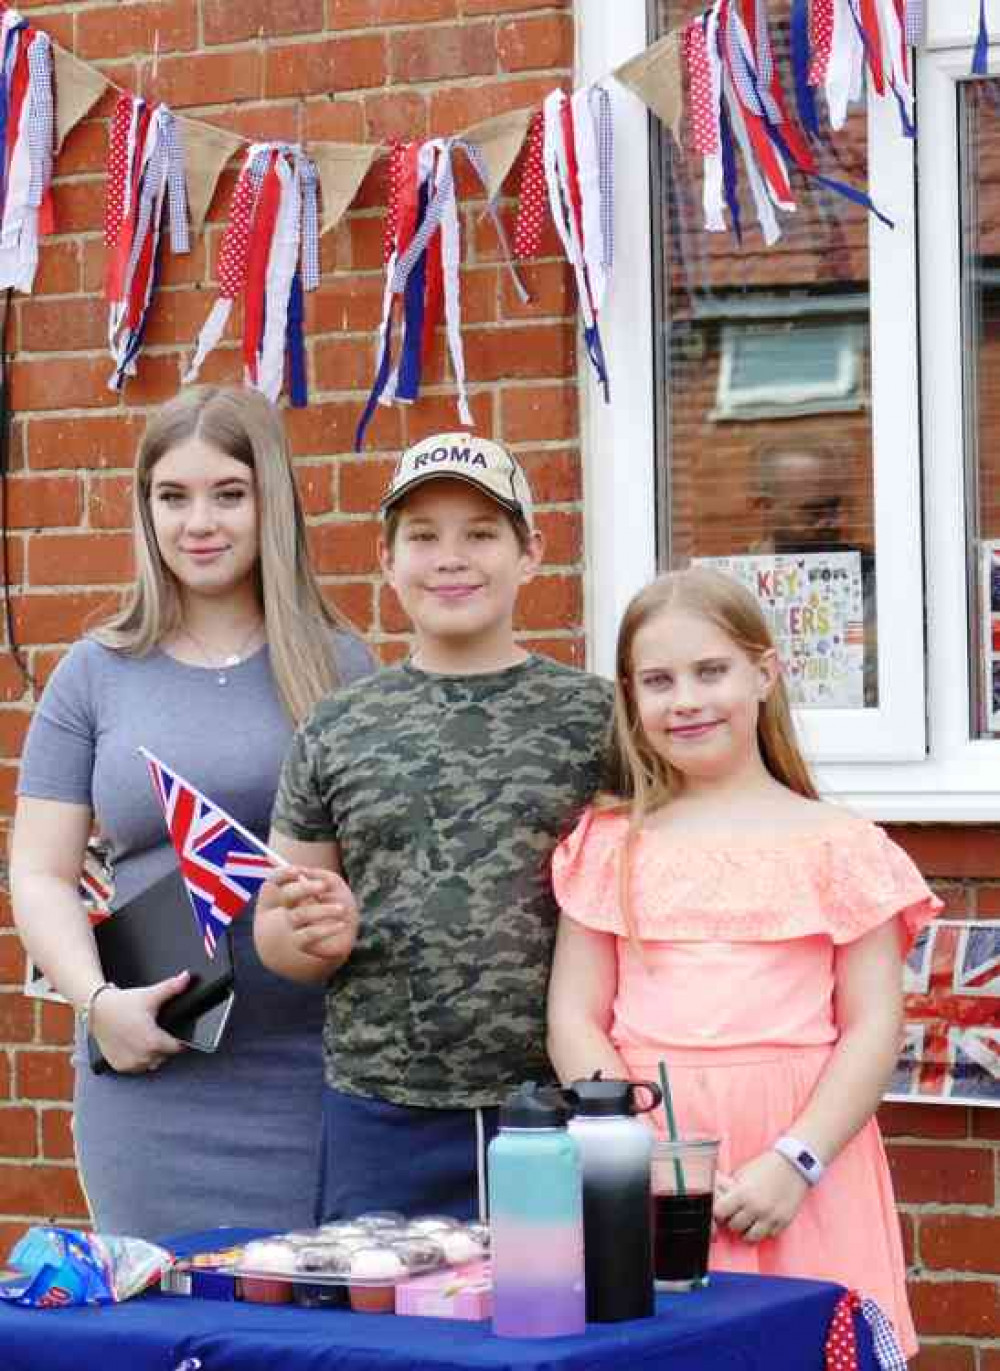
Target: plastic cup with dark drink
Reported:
[(682, 1182)]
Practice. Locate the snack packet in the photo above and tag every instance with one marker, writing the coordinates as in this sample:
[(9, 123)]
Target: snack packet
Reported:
[(54, 1267)]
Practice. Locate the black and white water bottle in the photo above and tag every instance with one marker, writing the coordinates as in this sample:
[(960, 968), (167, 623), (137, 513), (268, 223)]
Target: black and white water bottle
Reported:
[(615, 1149)]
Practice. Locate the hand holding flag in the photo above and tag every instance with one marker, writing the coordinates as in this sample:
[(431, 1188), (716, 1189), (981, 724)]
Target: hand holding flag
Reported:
[(223, 864)]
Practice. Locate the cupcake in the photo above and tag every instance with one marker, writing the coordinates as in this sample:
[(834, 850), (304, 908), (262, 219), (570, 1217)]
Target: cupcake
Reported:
[(459, 1246), (270, 1257), (374, 1273), (419, 1254), (381, 1221), (432, 1223)]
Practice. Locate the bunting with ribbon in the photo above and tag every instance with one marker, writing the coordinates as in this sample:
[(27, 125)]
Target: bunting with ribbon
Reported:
[(27, 145), (422, 254), (146, 185), (269, 257)]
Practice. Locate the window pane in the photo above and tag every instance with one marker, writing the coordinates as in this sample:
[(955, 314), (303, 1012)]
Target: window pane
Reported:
[(764, 424), (979, 142)]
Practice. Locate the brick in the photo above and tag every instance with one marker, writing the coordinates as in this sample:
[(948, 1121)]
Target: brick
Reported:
[(49, 1192), (40, 384), (562, 531), (318, 67), (324, 429), (365, 233), (13, 727), (80, 559), (43, 663), (17, 1017), (176, 316), (58, 618), (315, 482), (480, 301), (952, 1175), (79, 205), (355, 599), (391, 615), (341, 364), (57, 1134), (987, 898), (342, 548), (12, 683), (966, 1308), (961, 1242), (5, 1075), (520, 352), (436, 54), (395, 114), (539, 413), (989, 1359), (361, 484), (542, 42), (550, 601), (923, 1121), (569, 651), (8, 784), (986, 1124), (18, 1132), (11, 960), (437, 414), (958, 899), (943, 1356), (262, 122), (58, 269), (550, 286), (43, 1074), (359, 14), (508, 6), (225, 22), (58, 1024), (109, 502), (216, 78), (185, 268), (44, 501), (332, 120), (392, 652), (158, 379), (121, 30), (344, 304), (958, 852), (455, 108), (100, 440), (555, 475)]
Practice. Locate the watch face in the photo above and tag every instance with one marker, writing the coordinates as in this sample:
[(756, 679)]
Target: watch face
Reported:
[(807, 1160)]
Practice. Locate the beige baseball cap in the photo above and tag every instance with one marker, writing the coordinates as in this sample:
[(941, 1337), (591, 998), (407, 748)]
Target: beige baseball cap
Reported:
[(464, 457)]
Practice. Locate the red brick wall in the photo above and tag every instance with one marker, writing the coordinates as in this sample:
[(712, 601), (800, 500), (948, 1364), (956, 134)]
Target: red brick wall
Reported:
[(360, 70), (407, 67)]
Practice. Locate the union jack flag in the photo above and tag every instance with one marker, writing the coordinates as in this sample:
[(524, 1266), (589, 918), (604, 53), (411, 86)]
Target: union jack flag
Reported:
[(223, 865), (951, 1045)]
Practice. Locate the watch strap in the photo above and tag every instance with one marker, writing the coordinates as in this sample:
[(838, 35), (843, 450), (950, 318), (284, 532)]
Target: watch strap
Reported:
[(801, 1156)]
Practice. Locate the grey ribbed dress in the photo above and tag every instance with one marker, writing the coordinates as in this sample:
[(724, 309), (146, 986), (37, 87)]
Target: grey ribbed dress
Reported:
[(227, 1138)]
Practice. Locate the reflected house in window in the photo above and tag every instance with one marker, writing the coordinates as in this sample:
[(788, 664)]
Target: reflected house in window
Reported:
[(763, 367)]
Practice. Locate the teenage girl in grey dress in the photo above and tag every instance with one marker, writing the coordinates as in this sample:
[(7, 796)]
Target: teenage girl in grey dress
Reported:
[(224, 643)]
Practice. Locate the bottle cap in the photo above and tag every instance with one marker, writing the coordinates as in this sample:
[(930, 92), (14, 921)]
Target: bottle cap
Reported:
[(536, 1106), (601, 1099)]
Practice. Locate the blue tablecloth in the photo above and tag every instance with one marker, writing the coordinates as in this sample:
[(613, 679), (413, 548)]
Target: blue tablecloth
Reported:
[(739, 1323)]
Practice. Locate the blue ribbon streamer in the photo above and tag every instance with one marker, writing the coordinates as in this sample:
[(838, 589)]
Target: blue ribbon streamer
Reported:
[(980, 58), (595, 351), (730, 176), (805, 96), (6, 76), (411, 357), (381, 379), (295, 346)]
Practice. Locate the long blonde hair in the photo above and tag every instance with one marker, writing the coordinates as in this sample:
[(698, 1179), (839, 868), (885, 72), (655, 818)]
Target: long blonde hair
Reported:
[(639, 779), (244, 425)]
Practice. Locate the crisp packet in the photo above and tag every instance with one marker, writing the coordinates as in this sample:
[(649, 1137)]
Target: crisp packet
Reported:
[(53, 1267)]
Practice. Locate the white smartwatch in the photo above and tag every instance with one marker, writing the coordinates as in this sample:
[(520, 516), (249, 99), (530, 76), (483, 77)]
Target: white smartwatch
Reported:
[(803, 1158)]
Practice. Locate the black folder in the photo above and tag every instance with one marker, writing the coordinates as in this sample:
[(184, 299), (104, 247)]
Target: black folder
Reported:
[(153, 936)]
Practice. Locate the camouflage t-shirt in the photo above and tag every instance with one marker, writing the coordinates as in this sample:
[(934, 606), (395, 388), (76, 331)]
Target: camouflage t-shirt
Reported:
[(445, 796)]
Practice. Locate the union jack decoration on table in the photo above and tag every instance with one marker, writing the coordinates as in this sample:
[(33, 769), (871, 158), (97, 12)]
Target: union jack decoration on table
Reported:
[(223, 864), (951, 1046)]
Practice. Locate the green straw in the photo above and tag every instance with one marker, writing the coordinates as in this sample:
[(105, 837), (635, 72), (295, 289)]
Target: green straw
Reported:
[(668, 1108)]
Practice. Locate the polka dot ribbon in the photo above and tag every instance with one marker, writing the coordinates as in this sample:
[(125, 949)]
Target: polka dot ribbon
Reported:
[(821, 40), (534, 193), (704, 117)]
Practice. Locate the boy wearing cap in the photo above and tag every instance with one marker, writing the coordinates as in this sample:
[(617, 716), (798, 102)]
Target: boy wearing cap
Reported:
[(418, 809)]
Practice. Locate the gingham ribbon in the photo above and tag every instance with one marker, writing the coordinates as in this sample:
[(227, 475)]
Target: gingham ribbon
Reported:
[(600, 108), (887, 1349), (41, 117), (173, 147), (914, 22), (841, 1340), (308, 181)]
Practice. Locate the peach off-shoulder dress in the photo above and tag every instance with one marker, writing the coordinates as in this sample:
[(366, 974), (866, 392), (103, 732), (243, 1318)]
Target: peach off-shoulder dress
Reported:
[(734, 990)]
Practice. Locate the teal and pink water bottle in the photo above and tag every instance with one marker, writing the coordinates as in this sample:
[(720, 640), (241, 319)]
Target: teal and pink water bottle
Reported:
[(536, 1218)]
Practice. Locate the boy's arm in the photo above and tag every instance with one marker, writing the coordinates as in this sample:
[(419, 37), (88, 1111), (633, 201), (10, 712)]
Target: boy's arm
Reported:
[(306, 920)]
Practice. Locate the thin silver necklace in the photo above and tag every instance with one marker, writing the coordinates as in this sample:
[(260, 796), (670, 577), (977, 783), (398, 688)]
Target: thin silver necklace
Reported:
[(233, 658)]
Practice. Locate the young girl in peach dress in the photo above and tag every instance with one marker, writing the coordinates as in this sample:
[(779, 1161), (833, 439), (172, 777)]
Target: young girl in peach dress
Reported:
[(718, 916)]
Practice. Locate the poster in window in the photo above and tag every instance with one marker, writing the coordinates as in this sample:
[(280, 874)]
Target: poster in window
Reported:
[(815, 605), (990, 582), (951, 1029)]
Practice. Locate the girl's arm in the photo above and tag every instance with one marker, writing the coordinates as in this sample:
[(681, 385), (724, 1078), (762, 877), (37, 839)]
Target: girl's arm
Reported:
[(765, 1193), (581, 999), (306, 920), (47, 849)]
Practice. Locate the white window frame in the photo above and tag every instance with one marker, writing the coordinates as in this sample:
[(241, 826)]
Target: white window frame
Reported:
[(619, 453)]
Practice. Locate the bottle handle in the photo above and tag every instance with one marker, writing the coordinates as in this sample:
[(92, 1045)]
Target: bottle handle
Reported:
[(655, 1096)]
